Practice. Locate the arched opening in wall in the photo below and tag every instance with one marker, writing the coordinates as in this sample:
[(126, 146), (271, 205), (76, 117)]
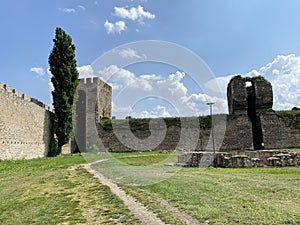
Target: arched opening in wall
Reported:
[(257, 133)]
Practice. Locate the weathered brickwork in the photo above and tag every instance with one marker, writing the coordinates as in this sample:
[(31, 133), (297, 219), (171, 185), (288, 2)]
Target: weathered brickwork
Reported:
[(25, 125)]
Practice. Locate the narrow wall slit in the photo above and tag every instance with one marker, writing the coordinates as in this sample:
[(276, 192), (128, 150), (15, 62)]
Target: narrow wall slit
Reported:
[(257, 133)]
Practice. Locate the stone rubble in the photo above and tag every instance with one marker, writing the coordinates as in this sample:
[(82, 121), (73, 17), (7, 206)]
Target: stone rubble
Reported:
[(240, 159)]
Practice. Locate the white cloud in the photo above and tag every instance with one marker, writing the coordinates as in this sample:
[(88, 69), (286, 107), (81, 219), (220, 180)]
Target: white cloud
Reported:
[(218, 85), (121, 78), (116, 27), (156, 112), (121, 111), (51, 87), (81, 7), (128, 88), (85, 71), (133, 13), (67, 10), (220, 104), (49, 72), (177, 77), (129, 53), (131, 89), (283, 73), (38, 70)]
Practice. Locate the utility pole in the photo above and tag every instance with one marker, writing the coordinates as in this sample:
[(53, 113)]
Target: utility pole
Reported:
[(212, 132)]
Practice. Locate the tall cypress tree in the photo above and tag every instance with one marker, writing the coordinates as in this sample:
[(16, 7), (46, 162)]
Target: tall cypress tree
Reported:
[(65, 81)]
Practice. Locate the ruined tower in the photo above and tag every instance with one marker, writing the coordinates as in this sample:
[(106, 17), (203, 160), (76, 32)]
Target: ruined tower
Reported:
[(250, 96), (245, 93)]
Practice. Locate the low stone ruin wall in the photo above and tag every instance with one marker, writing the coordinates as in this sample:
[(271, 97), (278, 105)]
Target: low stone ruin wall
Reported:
[(240, 159)]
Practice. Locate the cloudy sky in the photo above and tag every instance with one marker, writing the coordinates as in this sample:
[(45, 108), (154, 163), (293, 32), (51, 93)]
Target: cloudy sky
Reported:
[(249, 37)]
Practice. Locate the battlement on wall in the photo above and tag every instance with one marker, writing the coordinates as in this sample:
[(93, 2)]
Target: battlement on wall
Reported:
[(26, 125), (4, 88), (96, 81)]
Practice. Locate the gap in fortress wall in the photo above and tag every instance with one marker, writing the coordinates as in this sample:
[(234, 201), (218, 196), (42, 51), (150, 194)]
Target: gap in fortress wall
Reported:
[(25, 125)]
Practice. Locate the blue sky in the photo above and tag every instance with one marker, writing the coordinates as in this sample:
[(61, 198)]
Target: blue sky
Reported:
[(246, 37)]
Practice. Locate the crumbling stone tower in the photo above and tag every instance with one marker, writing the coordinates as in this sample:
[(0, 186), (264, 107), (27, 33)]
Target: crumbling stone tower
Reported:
[(250, 96), (245, 93)]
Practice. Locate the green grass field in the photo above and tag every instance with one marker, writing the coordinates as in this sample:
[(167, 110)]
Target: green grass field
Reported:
[(221, 196), (58, 191)]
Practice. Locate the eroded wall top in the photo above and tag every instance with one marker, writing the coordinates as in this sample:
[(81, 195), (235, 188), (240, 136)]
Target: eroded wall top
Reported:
[(239, 91)]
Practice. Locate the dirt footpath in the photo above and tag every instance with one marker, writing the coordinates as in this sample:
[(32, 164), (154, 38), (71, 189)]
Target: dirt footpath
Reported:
[(145, 216)]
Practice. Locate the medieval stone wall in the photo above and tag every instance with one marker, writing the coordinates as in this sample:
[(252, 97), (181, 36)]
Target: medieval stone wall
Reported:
[(25, 125), (279, 132)]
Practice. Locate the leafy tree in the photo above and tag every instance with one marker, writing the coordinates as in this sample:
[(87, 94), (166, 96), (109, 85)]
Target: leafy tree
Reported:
[(65, 81)]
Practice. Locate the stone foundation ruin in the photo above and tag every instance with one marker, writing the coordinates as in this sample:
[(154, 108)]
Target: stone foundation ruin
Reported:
[(240, 159)]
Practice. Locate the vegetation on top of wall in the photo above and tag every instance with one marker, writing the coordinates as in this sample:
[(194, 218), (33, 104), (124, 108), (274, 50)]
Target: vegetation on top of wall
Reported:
[(232, 116), (292, 117), (289, 113), (261, 79), (142, 124)]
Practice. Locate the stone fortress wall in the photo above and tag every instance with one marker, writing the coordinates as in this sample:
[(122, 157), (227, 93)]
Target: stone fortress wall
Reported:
[(25, 125), (252, 124), (279, 132)]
